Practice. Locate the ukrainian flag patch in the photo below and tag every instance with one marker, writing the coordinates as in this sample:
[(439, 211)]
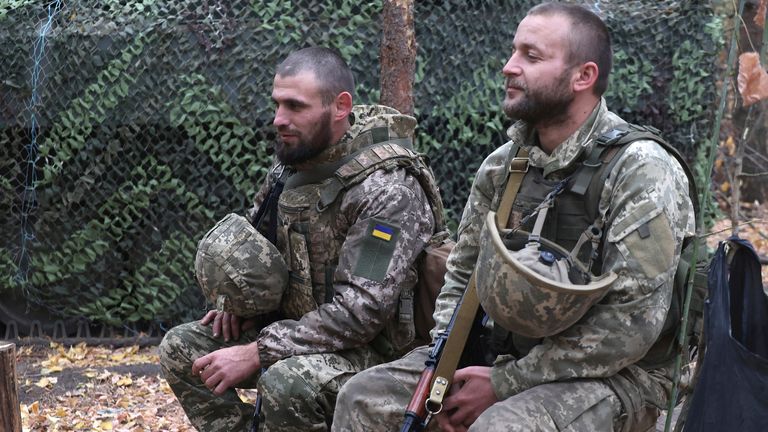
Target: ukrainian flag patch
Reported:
[(376, 249), (383, 232)]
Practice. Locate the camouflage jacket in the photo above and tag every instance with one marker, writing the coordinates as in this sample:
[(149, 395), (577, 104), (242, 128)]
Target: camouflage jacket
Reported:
[(354, 286), (619, 330)]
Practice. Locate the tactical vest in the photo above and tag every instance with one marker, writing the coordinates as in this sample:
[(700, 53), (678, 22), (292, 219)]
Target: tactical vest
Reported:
[(309, 234), (576, 209)]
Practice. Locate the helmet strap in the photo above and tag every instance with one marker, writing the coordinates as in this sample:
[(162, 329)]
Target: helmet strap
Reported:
[(593, 234)]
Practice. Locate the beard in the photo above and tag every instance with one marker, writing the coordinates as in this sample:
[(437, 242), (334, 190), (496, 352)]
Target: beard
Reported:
[(307, 147), (547, 105)]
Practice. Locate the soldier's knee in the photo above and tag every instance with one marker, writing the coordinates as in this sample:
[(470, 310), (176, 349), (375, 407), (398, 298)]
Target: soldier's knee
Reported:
[(349, 395), (172, 352), (286, 380)]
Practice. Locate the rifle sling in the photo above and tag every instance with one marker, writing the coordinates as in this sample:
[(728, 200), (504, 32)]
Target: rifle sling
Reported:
[(468, 307)]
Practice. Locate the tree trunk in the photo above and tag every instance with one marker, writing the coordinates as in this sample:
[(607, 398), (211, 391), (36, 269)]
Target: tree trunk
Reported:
[(10, 416), (398, 55)]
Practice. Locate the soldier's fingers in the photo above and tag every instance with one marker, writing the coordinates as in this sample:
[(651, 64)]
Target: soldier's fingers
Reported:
[(212, 381), (199, 364), (217, 324), (225, 329), (209, 316), (221, 387), (234, 326)]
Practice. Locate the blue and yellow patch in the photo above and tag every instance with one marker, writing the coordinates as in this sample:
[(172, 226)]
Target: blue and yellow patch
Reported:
[(382, 232), (377, 249)]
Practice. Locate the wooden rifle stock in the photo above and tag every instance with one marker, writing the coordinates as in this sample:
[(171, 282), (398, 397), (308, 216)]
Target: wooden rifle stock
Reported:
[(416, 415)]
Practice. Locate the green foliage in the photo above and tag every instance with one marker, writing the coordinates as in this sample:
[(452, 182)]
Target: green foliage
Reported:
[(630, 80)]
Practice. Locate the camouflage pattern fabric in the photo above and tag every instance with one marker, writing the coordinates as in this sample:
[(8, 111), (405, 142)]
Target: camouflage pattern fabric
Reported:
[(239, 270), (292, 389), (575, 406), (647, 213), (310, 357)]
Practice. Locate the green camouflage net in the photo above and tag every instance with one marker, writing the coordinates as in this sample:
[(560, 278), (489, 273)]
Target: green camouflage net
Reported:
[(128, 127)]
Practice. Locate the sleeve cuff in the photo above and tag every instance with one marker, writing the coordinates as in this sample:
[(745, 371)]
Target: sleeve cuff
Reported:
[(506, 378)]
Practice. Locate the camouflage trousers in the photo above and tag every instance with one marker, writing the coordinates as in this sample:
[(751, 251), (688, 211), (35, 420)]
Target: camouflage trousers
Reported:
[(375, 400), (298, 393)]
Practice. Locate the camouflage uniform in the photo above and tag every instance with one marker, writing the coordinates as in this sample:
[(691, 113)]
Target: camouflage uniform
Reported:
[(347, 321), (592, 376)]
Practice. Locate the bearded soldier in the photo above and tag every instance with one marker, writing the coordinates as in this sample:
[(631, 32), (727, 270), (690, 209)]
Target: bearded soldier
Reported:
[(573, 350), (345, 208)]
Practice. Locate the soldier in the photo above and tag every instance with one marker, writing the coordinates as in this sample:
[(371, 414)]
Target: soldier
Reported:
[(590, 365), (345, 208)]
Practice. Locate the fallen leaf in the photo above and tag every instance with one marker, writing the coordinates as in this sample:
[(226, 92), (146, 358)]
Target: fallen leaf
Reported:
[(760, 15), (752, 79), (46, 382)]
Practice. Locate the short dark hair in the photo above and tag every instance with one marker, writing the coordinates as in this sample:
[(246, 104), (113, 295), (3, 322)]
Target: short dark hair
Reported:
[(590, 39), (331, 71)]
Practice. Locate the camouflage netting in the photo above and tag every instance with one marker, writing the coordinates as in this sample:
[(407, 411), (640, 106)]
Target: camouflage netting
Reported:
[(128, 127)]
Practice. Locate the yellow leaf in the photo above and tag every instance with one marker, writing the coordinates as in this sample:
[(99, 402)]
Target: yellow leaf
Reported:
[(61, 412), (50, 370), (106, 425), (46, 382), (730, 146), (124, 381), (725, 187), (35, 407), (90, 373)]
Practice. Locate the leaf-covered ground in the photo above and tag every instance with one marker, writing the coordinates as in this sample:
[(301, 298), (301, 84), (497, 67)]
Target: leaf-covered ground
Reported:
[(92, 388)]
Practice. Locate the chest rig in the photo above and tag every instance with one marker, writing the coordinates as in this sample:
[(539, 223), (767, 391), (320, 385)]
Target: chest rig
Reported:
[(310, 227), (573, 220)]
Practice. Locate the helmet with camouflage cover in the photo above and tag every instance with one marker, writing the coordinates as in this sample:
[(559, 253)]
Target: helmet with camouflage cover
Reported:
[(533, 288), (239, 270)]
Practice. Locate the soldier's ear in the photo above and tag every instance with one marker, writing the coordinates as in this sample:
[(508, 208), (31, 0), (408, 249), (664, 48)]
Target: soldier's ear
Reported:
[(342, 105), (584, 77)]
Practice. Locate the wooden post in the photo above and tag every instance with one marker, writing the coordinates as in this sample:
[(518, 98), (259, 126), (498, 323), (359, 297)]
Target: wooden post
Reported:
[(10, 416), (398, 55)]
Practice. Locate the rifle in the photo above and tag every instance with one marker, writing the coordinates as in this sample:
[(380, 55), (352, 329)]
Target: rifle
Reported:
[(427, 399)]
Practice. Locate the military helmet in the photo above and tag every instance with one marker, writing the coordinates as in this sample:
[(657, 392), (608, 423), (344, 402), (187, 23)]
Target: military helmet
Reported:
[(239, 270), (532, 288)]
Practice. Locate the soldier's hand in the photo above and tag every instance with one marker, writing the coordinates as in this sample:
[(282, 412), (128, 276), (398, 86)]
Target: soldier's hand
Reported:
[(227, 367), (226, 324), (471, 394)]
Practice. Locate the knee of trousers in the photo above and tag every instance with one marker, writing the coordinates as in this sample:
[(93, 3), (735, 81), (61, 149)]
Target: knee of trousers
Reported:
[(287, 380), (174, 352), (353, 393)]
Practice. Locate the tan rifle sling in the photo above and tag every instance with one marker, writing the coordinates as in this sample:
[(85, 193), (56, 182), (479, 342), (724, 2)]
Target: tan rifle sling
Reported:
[(457, 339)]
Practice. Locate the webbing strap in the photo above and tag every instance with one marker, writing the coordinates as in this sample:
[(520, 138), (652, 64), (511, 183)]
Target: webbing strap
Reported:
[(318, 173), (457, 339)]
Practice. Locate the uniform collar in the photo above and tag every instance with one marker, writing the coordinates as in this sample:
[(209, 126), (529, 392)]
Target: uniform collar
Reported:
[(569, 151)]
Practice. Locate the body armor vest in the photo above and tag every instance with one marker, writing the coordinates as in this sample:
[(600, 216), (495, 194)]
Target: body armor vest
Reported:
[(576, 209), (310, 233)]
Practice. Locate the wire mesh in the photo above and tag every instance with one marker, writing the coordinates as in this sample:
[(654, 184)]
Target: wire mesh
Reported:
[(128, 127)]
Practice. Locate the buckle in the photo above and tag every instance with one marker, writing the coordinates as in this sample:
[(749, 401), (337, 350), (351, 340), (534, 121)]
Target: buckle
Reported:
[(516, 167)]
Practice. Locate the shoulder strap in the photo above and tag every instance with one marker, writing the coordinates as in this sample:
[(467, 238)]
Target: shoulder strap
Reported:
[(268, 209), (590, 179), (466, 310), (369, 138)]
